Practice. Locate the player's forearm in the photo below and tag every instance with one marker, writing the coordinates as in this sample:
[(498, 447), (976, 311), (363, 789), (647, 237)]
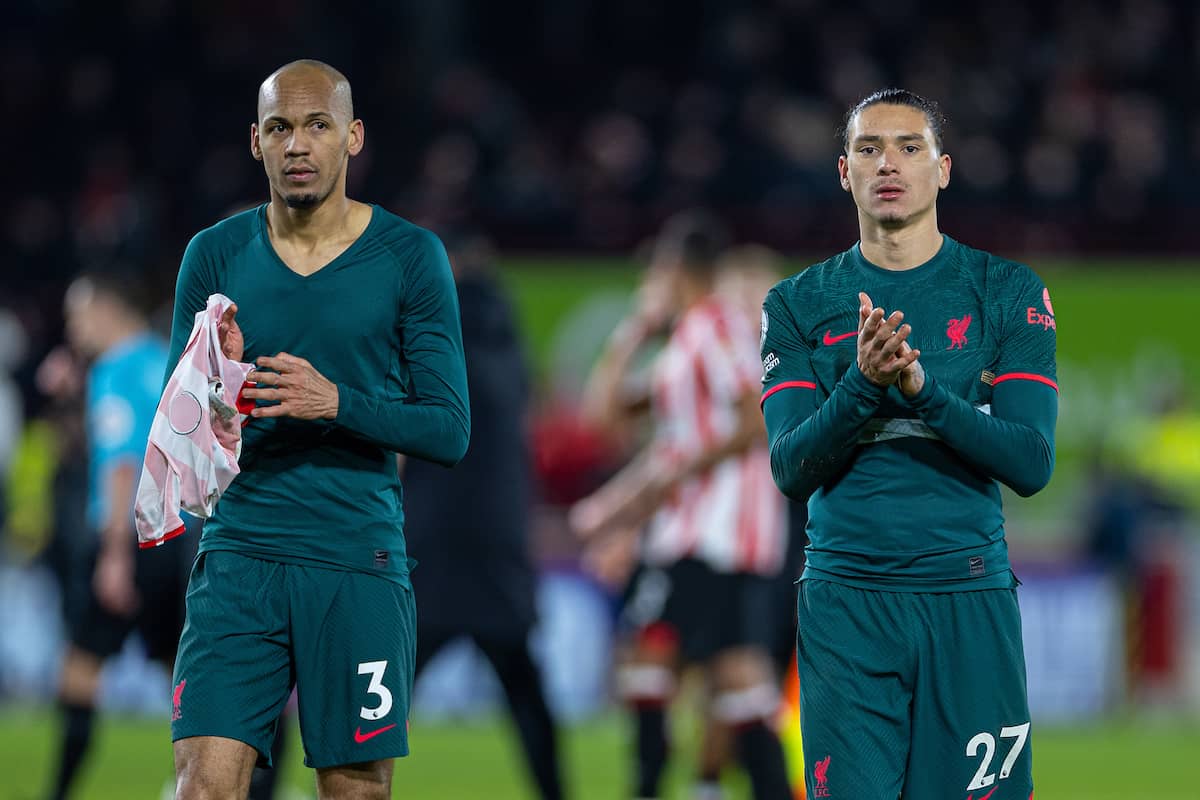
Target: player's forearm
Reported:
[(751, 431), (1014, 444), (436, 430), (118, 528), (605, 399), (809, 446)]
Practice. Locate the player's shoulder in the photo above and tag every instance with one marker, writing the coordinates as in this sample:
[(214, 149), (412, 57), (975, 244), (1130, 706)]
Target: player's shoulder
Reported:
[(230, 234), (997, 270), (813, 280), (406, 240)]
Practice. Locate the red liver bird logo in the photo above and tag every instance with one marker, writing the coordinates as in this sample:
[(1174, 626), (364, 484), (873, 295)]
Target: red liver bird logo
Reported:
[(821, 775), (956, 329), (177, 696)]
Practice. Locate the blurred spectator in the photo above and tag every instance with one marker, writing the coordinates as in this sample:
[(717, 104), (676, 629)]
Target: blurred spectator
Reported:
[(12, 352), (1069, 115)]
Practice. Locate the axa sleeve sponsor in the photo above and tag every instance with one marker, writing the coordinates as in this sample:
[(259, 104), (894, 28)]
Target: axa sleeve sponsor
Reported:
[(786, 355)]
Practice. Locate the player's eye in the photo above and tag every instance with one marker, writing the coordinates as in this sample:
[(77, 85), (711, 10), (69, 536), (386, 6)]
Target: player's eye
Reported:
[(320, 125), (278, 127), (911, 148), (867, 151)]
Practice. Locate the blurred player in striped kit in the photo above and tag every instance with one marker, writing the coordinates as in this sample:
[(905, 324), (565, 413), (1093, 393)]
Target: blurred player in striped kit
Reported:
[(716, 525)]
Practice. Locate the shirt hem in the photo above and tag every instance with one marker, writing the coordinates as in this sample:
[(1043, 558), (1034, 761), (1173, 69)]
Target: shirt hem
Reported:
[(1000, 579)]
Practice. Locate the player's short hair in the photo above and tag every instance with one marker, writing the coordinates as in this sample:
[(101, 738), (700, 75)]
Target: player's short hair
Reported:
[(342, 92), (897, 97), (697, 239), (118, 284)]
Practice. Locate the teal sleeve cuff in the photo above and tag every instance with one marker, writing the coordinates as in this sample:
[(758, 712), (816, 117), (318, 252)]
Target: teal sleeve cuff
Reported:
[(925, 397), (861, 386)]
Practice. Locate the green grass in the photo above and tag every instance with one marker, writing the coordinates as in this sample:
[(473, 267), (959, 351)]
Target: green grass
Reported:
[(132, 760)]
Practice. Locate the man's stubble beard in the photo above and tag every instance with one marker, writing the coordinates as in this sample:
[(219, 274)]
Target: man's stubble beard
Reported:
[(309, 200)]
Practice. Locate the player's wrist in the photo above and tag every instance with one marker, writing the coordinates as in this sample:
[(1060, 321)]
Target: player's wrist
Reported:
[(630, 333), (116, 550), (332, 403), (859, 381)]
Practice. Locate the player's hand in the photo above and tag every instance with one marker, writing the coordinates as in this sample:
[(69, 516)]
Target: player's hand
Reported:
[(58, 375), (588, 517), (113, 581), (611, 559), (295, 387), (230, 334), (912, 377), (881, 343), (655, 304)]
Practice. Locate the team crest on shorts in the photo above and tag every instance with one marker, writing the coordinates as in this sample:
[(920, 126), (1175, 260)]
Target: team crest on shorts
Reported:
[(176, 698), (821, 778)]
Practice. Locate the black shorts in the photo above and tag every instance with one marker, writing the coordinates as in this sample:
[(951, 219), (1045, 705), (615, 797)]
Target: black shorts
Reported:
[(161, 576), (706, 611)]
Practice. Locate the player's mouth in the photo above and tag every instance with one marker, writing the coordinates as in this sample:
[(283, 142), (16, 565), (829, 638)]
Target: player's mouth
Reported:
[(889, 191), (299, 174)]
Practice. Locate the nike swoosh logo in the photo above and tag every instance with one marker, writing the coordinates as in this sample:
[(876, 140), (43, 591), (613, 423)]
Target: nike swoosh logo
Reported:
[(986, 796), (361, 737), (831, 339)]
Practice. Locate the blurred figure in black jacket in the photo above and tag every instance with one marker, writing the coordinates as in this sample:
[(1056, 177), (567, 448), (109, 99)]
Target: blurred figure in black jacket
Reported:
[(467, 527)]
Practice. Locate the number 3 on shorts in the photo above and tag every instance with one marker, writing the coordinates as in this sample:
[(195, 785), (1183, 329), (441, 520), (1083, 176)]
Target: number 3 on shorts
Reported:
[(375, 670)]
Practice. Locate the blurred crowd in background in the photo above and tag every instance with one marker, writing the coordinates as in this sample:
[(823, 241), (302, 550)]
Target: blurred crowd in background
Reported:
[(577, 126)]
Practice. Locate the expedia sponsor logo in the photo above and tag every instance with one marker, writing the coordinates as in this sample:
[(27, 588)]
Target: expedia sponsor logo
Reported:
[(1035, 317)]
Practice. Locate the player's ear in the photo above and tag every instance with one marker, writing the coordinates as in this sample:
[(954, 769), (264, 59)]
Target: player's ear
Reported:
[(255, 145), (844, 172), (357, 137), (943, 170)]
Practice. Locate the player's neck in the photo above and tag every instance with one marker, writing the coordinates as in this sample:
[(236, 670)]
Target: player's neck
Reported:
[(693, 293), (121, 331), (311, 226), (900, 248)]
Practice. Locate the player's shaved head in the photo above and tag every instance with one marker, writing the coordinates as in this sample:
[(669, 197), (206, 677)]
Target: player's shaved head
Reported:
[(304, 73)]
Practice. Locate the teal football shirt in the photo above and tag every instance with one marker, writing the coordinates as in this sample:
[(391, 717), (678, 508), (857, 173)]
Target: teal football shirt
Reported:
[(382, 322), (904, 492)]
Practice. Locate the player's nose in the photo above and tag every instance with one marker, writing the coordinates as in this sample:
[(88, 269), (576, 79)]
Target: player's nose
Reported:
[(297, 144)]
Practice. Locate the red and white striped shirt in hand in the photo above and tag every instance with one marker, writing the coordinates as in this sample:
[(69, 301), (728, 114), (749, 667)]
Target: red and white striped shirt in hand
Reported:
[(731, 517), (196, 437)]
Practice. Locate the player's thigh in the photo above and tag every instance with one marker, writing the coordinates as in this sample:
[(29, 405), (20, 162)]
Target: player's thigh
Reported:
[(855, 664), (371, 780), (971, 728), (212, 766), (162, 578), (355, 647), (93, 629), (705, 608), (233, 670)]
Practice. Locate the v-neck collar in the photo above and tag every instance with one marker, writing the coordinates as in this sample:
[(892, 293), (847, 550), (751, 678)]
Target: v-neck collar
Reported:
[(330, 267)]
